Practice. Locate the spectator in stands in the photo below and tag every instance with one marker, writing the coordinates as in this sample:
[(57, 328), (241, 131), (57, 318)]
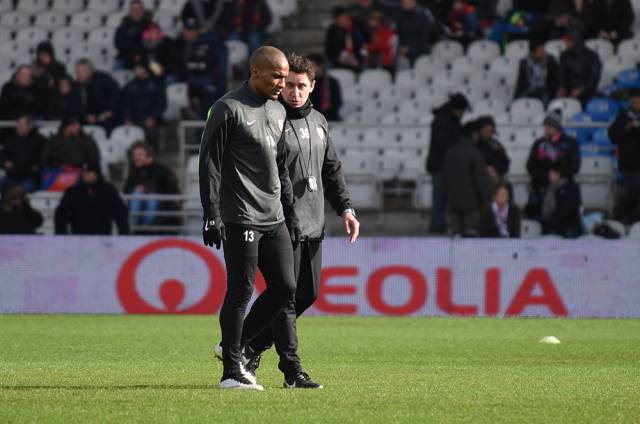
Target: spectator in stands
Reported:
[(516, 25), (201, 62), (537, 74), (574, 14), (625, 132), (91, 206), (360, 12), (539, 7), (47, 71), (615, 19), (493, 152), (418, 30), (463, 22), (553, 146), (159, 52), (128, 36), (327, 95), (486, 10), (562, 202), (246, 20), (580, 69), (143, 102), (65, 101), (64, 154), (206, 13), (466, 182), (21, 156), (20, 95), (344, 41), (146, 176), (100, 95), (381, 48), (501, 218), (439, 8), (16, 215), (445, 131)]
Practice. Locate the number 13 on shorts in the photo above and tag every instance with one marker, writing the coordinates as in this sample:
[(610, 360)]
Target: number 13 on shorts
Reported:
[(248, 235)]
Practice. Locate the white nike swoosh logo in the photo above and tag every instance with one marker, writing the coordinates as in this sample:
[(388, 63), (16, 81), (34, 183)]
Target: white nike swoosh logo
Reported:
[(251, 122)]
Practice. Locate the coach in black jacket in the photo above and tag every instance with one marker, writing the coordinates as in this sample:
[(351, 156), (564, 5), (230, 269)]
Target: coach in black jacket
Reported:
[(316, 173)]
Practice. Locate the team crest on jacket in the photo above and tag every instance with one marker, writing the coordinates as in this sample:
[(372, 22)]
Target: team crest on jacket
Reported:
[(320, 133)]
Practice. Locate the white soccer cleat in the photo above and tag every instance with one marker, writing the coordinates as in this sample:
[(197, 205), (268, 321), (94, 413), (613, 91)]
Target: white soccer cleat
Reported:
[(248, 375), (239, 383)]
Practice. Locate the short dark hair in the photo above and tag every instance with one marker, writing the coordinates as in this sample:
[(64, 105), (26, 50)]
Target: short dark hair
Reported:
[(535, 42), (339, 11), (141, 144), (317, 58), (301, 65)]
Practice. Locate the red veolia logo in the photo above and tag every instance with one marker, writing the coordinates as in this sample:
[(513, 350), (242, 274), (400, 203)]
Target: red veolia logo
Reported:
[(171, 291)]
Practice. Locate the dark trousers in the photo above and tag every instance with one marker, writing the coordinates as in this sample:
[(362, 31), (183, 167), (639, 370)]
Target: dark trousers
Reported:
[(438, 204), (629, 205), (463, 223), (246, 250), (308, 265)]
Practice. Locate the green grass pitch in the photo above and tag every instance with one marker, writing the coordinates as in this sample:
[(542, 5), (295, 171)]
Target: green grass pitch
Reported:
[(65, 368)]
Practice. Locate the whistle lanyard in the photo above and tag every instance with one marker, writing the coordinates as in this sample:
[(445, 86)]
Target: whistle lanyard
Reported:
[(305, 170)]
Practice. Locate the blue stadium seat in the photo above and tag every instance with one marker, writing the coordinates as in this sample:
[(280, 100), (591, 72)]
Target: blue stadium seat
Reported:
[(629, 78), (583, 135), (602, 109)]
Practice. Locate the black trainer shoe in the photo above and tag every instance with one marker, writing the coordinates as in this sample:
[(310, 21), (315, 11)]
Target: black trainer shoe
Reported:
[(301, 381), (253, 364)]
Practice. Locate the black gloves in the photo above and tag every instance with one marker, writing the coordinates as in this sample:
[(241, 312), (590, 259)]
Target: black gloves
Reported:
[(213, 232), (293, 225)]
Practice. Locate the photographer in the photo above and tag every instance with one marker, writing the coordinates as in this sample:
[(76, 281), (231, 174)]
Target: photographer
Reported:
[(625, 132), (16, 215)]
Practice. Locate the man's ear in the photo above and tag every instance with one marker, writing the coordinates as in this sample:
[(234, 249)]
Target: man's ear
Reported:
[(313, 85)]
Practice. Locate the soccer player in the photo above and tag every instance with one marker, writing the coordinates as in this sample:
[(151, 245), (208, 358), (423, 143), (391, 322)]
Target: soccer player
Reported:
[(315, 172), (246, 195)]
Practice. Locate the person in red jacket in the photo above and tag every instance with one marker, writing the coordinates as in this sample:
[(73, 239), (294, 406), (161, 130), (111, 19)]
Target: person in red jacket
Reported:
[(384, 42)]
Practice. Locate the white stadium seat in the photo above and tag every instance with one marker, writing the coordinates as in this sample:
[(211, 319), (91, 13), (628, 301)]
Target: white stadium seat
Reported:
[(177, 98), (345, 77), (6, 5), (32, 7), (103, 7), (634, 231), (596, 178), (486, 80), (483, 50), (238, 51), (395, 94), (168, 22), (417, 137), (428, 65), (474, 93), (447, 50), (526, 136), (554, 48), (31, 35), (432, 95), (517, 49), (467, 66), (115, 19), (67, 36), (568, 105), (87, 20), (491, 107), (448, 80), (422, 195), (374, 78), (362, 170), (410, 78), (381, 137), (506, 68), (526, 106), (126, 135), (530, 229), (51, 20), (14, 50), (103, 37), (613, 65), (603, 47), (14, 20), (282, 7), (46, 203), (48, 131), (67, 6), (98, 133), (173, 7), (629, 48), (346, 136)]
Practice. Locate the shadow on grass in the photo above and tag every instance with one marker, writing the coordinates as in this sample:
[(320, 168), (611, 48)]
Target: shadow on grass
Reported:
[(116, 387)]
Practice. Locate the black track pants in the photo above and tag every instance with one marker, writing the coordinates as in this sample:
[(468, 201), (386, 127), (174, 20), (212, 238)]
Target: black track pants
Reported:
[(244, 251)]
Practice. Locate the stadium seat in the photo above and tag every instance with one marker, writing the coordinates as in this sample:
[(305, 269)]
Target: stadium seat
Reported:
[(67, 6), (377, 108), (357, 118), (32, 7), (487, 80), (48, 131), (238, 52), (447, 50), (447, 80), (392, 163), (427, 65), (346, 136), (617, 226), (381, 137), (467, 66), (51, 20), (432, 95), (634, 231), (14, 20), (46, 203), (102, 37), (490, 107), (583, 134), (474, 93), (416, 137), (422, 196), (282, 7), (513, 119), (87, 19), (483, 50), (67, 37), (98, 133), (123, 76), (15, 50), (526, 106), (115, 19), (629, 48), (526, 136), (410, 78), (103, 7), (413, 164), (602, 109), (374, 78), (168, 22), (603, 47), (554, 48), (177, 98), (612, 66), (6, 6), (596, 179), (519, 176), (395, 94), (173, 7), (569, 106), (31, 35), (396, 118), (517, 49), (506, 68), (530, 228), (361, 171), (345, 77), (629, 78), (125, 135)]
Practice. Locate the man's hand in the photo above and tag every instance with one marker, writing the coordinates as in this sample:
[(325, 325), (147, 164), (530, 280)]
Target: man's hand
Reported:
[(293, 225), (351, 226), (213, 232)]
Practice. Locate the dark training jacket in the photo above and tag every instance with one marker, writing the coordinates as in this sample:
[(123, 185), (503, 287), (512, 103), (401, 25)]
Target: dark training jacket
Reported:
[(628, 141), (311, 152), (243, 173)]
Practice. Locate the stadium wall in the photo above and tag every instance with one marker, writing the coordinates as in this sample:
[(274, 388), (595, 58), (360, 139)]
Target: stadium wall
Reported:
[(376, 276)]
